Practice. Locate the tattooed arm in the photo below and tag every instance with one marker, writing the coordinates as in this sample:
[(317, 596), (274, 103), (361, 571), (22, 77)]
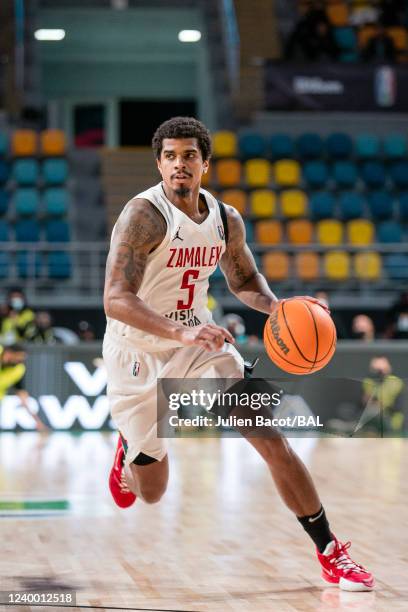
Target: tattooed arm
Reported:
[(139, 230), (239, 268)]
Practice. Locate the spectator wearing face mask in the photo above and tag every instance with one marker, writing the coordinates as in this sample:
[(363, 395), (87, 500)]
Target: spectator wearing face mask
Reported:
[(40, 331), (362, 328), (397, 327), (19, 316), (383, 397)]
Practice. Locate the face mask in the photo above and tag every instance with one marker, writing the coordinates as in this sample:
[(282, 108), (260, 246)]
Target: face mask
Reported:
[(378, 374), (358, 335), (17, 303)]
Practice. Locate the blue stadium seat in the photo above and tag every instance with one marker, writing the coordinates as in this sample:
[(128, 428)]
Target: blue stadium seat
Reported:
[(252, 144), (395, 146), (367, 146), (27, 201), (249, 228), (403, 206), (399, 174), (346, 40), (396, 266), (310, 146), (381, 205), (59, 264), (339, 145), (26, 171), (373, 174), (351, 205), (315, 173), (4, 201), (282, 146), (389, 231), (56, 201), (4, 171), (55, 171), (4, 144), (29, 265), (345, 173), (57, 231), (27, 230), (322, 205), (4, 265), (4, 231)]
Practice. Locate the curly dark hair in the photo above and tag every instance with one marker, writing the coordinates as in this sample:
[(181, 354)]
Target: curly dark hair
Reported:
[(183, 127)]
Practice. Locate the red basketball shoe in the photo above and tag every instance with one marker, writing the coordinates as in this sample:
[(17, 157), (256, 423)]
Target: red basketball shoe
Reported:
[(339, 568), (120, 492)]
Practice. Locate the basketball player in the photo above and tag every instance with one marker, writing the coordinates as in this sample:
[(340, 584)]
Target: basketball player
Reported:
[(166, 243)]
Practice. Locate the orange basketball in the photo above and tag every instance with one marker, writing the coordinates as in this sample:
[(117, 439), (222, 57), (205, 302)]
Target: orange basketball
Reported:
[(300, 336)]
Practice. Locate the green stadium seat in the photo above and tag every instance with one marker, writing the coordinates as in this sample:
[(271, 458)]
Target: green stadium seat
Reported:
[(5, 264), (339, 145), (55, 171), (26, 172), (59, 265), (396, 266), (389, 232), (373, 174), (403, 206), (4, 144), (315, 173), (381, 205), (395, 146), (29, 265), (26, 201), (346, 40), (27, 230), (4, 201), (399, 174), (4, 171), (322, 205), (367, 146), (310, 146), (281, 146), (351, 205), (4, 231), (56, 201), (57, 231), (252, 144), (345, 173)]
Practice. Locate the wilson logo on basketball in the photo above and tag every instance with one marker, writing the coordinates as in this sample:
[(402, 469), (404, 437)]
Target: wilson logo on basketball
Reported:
[(275, 331)]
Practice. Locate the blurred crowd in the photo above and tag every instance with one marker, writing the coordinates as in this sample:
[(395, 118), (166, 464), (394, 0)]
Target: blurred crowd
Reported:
[(19, 323), (313, 38)]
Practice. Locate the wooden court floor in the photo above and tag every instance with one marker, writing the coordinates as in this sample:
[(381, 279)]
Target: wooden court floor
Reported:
[(219, 540)]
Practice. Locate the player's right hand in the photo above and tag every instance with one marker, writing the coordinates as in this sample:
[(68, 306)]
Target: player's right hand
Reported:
[(210, 336)]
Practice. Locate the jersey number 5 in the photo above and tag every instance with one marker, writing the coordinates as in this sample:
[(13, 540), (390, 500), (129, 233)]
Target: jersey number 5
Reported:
[(188, 276)]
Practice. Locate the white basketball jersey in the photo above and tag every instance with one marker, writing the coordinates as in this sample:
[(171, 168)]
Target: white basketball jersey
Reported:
[(175, 281)]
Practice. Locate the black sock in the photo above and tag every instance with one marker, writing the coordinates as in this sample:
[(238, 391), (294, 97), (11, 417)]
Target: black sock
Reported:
[(317, 526)]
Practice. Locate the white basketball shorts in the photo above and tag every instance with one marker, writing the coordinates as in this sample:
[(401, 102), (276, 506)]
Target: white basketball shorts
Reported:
[(132, 385)]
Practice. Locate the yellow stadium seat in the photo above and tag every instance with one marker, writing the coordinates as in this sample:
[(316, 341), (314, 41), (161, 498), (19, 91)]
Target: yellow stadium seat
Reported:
[(293, 203), (360, 232), (224, 144), (53, 142), (365, 34), (24, 143), (338, 13), (236, 198), (257, 172), (399, 36), (329, 231), (287, 173), (268, 232), (336, 265), (300, 231), (307, 266), (262, 203), (228, 172), (368, 266), (275, 266)]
